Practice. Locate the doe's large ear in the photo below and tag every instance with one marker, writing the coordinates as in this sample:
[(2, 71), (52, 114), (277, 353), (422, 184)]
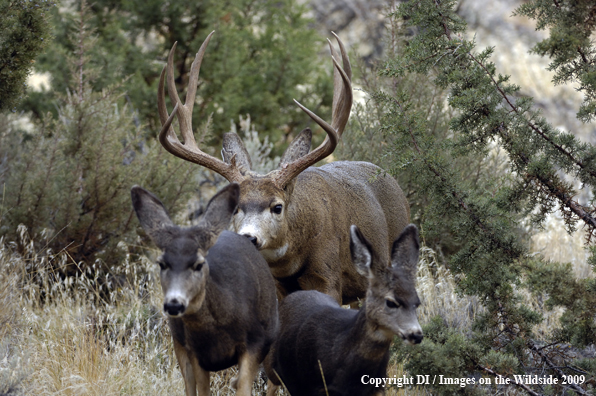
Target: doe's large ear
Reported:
[(150, 211), (299, 147), (220, 210), (361, 251), (232, 147), (406, 247)]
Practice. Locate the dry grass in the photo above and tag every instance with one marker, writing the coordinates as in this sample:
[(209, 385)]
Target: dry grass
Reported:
[(66, 337)]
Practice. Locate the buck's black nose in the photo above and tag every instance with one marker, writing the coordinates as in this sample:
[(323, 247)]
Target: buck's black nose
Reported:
[(173, 308), (251, 238)]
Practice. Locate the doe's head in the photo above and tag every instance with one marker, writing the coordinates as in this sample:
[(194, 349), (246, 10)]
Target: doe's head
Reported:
[(184, 270), (391, 298)]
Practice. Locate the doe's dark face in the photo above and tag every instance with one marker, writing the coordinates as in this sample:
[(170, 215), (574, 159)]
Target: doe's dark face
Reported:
[(184, 271), (183, 275), (391, 298)]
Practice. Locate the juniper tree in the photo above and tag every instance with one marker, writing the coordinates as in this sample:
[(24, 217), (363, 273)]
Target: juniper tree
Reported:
[(570, 45), (24, 32), (492, 261), (263, 54), (70, 178)]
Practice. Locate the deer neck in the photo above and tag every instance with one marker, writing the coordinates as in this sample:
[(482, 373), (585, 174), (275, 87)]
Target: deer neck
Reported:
[(371, 340)]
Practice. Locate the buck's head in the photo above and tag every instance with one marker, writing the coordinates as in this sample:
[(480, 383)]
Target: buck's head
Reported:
[(184, 270), (391, 298), (264, 199)]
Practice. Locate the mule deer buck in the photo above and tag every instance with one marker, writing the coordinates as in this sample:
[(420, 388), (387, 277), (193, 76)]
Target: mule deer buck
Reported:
[(218, 291), (298, 216), (319, 338)]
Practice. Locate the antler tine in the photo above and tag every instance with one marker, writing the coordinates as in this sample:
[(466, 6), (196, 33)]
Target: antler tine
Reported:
[(342, 88), (163, 111), (184, 110), (195, 68), (342, 104), (188, 150)]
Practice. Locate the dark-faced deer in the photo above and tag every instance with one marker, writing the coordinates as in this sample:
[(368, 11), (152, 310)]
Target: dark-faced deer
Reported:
[(319, 338), (298, 216), (218, 291)]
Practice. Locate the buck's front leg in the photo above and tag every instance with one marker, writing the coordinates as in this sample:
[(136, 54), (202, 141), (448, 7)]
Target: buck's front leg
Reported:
[(322, 278), (247, 371)]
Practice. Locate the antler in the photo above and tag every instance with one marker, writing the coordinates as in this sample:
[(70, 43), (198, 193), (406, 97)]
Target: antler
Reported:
[(342, 105), (188, 150)]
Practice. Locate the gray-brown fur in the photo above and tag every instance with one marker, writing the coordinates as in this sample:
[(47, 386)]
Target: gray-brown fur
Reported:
[(348, 344), (318, 207), (299, 216), (218, 291)]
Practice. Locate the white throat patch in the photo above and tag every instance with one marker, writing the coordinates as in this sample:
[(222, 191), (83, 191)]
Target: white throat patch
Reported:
[(274, 254)]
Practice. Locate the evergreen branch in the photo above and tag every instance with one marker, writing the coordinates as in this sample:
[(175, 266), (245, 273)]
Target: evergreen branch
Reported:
[(521, 384), (514, 108), (445, 27), (461, 202), (551, 186), (554, 367)]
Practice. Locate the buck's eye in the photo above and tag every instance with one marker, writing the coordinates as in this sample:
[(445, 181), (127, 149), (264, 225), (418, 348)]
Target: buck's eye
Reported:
[(236, 211), (391, 304), (277, 209)]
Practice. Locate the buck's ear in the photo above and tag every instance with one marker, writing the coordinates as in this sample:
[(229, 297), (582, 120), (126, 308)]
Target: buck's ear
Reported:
[(220, 210), (151, 213), (299, 147), (233, 148), (361, 251), (405, 250)]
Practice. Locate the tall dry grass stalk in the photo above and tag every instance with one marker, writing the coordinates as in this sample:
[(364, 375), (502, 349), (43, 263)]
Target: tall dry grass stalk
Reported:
[(68, 336)]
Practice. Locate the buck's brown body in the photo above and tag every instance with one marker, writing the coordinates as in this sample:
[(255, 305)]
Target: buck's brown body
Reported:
[(298, 216), (321, 204)]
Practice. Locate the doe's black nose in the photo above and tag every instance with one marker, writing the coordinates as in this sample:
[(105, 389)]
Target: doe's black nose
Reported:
[(174, 308), (416, 338)]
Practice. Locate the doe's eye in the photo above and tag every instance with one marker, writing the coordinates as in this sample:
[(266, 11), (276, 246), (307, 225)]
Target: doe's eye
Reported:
[(198, 265), (162, 264), (391, 304), (277, 209)]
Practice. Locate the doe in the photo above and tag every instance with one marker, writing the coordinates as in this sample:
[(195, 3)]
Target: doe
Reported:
[(321, 345), (218, 291)]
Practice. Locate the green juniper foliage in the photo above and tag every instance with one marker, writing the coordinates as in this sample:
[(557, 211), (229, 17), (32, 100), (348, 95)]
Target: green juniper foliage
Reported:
[(70, 178), (491, 258), (263, 54), (570, 45), (24, 32)]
